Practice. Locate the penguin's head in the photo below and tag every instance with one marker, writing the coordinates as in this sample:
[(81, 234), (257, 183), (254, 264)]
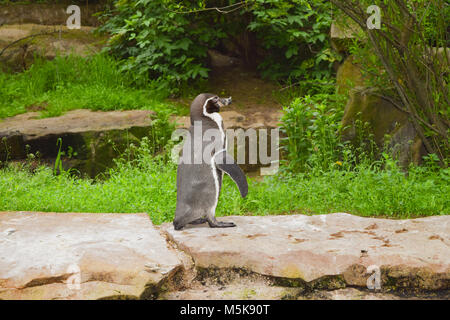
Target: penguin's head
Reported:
[(206, 104)]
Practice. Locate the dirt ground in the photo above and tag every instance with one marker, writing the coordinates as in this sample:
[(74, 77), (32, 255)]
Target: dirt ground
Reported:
[(250, 93)]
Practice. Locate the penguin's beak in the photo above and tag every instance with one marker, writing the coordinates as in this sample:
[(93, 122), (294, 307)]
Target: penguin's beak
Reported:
[(225, 102)]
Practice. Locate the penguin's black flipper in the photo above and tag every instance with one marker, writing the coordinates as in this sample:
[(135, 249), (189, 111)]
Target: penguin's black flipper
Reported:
[(226, 163)]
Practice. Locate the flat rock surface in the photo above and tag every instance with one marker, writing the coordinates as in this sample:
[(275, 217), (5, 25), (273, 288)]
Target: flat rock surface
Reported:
[(94, 138), (75, 121), (232, 119), (408, 253), (108, 254)]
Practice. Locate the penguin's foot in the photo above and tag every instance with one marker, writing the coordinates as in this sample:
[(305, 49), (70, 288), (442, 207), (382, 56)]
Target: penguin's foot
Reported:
[(198, 221), (223, 224), (213, 223), (177, 225)]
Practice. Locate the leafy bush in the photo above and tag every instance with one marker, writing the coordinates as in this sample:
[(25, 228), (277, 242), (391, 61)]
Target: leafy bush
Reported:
[(295, 33), (168, 40), (158, 42)]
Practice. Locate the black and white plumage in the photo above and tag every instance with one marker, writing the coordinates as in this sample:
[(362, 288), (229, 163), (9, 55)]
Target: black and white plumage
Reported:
[(199, 179)]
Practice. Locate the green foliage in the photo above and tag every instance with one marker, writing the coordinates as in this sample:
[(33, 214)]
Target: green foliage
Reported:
[(408, 60), (295, 33), (148, 184), (168, 40), (364, 190), (311, 126), (158, 42), (162, 46), (157, 143), (58, 162), (73, 82), (12, 2), (435, 22)]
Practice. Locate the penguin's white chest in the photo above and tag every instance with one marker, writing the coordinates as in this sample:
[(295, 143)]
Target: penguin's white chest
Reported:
[(217, 118)]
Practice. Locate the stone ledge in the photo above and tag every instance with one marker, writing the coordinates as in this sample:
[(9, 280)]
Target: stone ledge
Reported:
[(123, 256), (97, 137), (410, 254), (76, 121)]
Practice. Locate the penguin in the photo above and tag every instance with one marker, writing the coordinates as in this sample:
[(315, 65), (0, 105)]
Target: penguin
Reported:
[(199, 182)]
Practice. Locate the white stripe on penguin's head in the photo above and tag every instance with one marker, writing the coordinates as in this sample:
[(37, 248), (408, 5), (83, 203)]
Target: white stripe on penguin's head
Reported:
[(205, 112), (217, 118)]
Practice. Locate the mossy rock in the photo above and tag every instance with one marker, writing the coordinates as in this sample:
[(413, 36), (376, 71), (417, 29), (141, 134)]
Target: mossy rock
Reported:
[(348, 76), (90, 141), (99, 149), (374, 117), (367, 106), (49, 13), (30, 41), (12, 147), (343, 32), (413, 280)]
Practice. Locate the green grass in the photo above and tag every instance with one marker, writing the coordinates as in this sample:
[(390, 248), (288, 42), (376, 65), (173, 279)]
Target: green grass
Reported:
[(71, 82), (149, 185)]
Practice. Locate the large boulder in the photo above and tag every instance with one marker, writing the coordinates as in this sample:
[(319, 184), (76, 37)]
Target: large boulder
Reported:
[(47, 256), (343, 32), (349, 75), (21, 44), (367, 112), (93, 139)]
